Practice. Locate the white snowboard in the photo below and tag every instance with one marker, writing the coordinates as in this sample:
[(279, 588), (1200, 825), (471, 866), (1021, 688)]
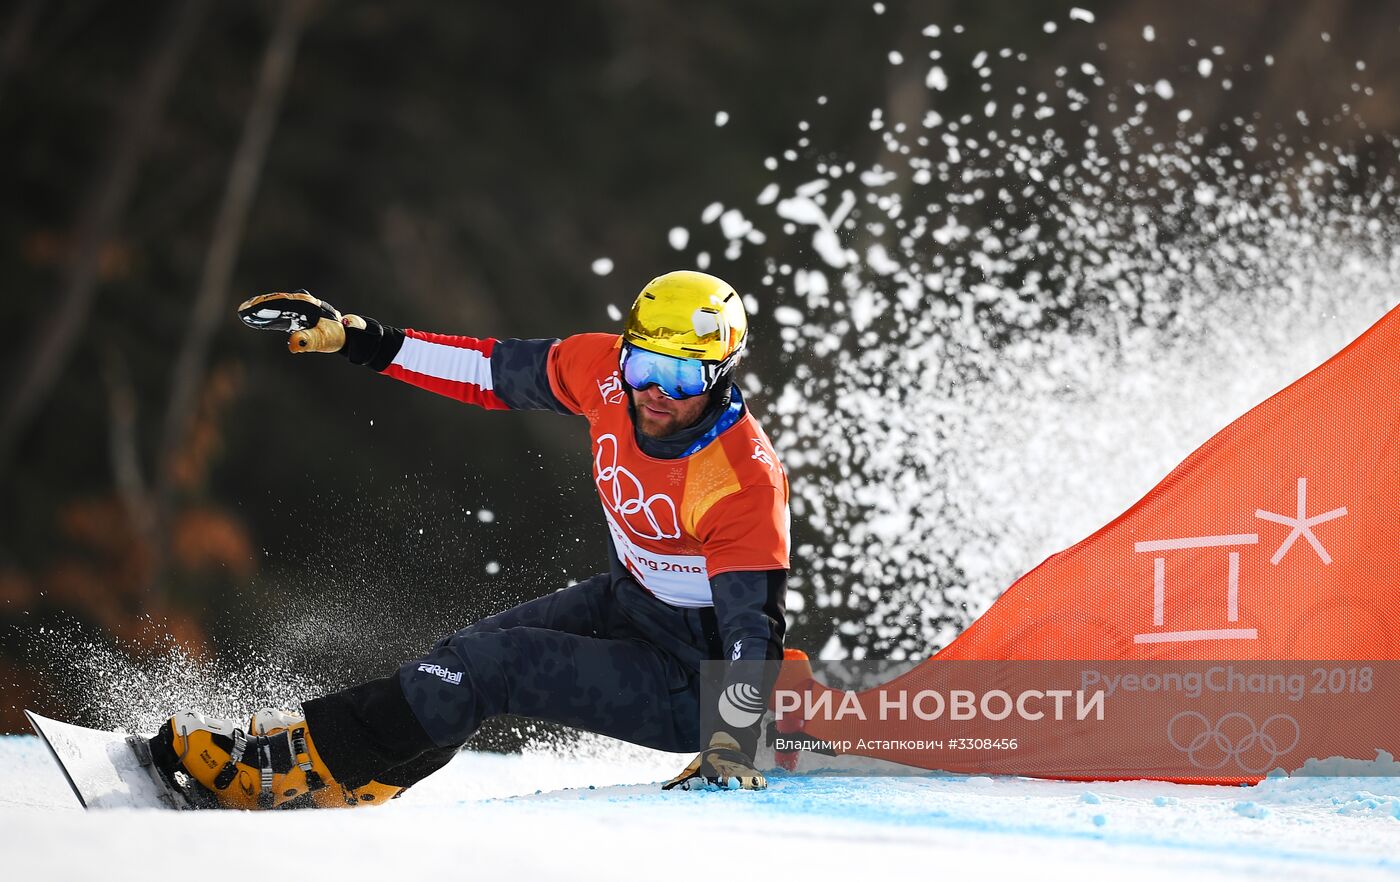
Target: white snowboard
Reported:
[(106, 769)]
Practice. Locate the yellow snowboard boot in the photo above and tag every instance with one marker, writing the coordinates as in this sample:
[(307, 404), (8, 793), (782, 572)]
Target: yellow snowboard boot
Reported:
[(270, 763)]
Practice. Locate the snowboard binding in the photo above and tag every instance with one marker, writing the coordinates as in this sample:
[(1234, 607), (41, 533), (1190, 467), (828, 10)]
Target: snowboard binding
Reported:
[(180, 790), (273, 764)]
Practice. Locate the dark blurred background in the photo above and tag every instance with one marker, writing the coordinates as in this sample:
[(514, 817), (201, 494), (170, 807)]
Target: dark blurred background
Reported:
[(168, 478)]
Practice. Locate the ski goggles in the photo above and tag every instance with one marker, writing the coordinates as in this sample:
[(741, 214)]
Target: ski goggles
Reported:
[(677, 378)]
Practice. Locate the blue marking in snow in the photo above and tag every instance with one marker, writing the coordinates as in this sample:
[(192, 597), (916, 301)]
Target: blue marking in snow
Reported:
[(876, 801)]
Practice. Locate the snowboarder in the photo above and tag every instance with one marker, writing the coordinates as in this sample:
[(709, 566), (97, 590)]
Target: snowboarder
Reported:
[(696, 503)]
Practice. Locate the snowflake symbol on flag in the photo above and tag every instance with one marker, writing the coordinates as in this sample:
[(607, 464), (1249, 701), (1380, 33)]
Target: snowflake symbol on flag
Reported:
[(1302, 525)]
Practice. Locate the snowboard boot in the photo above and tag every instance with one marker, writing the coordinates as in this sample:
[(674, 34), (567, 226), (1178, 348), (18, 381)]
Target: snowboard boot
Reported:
[(272, 763)]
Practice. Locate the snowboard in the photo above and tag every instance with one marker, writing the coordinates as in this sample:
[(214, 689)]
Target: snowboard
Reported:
[(106, 769)]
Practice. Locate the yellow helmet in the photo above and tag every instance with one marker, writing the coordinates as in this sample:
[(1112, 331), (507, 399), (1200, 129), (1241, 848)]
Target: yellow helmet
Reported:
[(688, 314)]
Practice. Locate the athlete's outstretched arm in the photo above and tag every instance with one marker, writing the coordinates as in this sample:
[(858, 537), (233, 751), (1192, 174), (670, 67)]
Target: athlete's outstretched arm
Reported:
[(749, 609), (745, 541), (494, 374)]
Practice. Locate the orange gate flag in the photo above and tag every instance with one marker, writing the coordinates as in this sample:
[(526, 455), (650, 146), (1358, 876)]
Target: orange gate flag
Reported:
[(1276, 542), (1279, 538)]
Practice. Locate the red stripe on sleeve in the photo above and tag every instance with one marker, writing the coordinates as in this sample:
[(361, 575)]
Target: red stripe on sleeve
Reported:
[(469, 393), (484, 345)]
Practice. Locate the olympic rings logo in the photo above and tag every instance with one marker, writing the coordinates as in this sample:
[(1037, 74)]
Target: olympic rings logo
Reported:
[(624, 493), (1233, 737)]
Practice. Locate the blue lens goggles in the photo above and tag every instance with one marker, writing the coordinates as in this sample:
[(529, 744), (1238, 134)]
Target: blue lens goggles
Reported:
[(677, 378)]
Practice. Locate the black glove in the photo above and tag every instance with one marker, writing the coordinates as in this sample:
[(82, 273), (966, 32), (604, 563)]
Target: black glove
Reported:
[(312, 325), (716, 765), (316, 326)]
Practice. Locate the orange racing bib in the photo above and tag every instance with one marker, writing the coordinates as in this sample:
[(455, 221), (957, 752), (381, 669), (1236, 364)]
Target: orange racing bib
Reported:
[(674, 522)]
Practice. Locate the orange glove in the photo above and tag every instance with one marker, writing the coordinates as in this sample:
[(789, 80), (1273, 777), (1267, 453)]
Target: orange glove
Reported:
[(717, 765)]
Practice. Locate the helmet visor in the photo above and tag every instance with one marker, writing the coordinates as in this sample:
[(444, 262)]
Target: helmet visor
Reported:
[(677, 378)]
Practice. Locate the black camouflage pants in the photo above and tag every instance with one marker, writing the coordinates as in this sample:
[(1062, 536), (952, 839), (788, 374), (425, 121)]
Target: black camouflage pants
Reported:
[(603, 655)]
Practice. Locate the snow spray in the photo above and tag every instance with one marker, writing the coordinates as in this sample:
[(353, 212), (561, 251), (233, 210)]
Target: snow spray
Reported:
[(1011, 322)]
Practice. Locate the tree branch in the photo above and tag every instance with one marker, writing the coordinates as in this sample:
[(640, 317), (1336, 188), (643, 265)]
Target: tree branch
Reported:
[(53, 346), (210, 304)]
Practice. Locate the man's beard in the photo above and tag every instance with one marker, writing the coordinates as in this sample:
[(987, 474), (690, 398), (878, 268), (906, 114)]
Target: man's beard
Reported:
[(656, 427), (665, 423)]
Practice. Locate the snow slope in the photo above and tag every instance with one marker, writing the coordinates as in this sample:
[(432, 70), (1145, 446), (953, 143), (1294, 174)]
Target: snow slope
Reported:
[(488, 816)]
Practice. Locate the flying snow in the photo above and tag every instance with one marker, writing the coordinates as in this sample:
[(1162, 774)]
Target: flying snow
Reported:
[(997, 338)]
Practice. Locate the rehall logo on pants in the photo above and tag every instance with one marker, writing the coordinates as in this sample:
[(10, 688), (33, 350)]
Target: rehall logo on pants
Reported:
[(453, 677)]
